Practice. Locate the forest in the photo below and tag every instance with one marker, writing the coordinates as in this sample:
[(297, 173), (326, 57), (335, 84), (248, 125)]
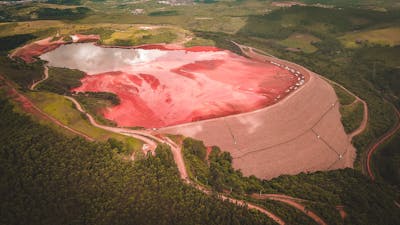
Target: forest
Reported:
[(47, 178), (323, 190)]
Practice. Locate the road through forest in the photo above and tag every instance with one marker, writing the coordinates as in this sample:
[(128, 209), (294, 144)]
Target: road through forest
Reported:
[(176, 150)]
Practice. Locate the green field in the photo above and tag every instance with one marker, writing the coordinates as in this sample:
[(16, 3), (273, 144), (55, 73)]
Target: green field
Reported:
[(95, 102), (64, 110), (344, 97), (352, 116), (303, 42), (385, 37)]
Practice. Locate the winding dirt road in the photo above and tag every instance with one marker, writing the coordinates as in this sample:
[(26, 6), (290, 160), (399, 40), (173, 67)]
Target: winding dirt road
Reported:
[(381, 140), (33, 109), (364, 122), (46, 76), (143, 136), (294, 202)]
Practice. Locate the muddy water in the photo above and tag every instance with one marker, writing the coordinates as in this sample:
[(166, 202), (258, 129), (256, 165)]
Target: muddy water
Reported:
[(161, 87)]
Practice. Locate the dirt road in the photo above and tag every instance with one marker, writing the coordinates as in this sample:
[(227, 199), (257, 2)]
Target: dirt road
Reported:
[(32, 108), (143, 136), (380, 141), (364, 122), (46, 76), (294, 202)]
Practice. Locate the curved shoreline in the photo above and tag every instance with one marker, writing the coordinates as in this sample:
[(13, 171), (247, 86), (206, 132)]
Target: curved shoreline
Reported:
[(302, 77)]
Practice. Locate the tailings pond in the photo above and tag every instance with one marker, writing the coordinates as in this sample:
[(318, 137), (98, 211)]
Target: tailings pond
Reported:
[(162, 86)]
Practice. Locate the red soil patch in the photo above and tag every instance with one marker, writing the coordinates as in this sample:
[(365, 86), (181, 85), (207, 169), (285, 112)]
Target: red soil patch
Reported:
[(187, 85), (35, 49), (29, 52), (80, 38)]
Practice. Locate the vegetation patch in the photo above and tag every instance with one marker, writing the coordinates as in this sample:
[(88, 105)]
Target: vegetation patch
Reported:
[(96, 102), (62, 14), (289, 214), (302, 42), (325, 190), (344, 97), (134, 36), (199, 42), (386, 161), (72, 181), (385, 37), (352, 116), (65, 2), (11, 42), (164, 13), (61, 80), (21, 73), (63, 110), (194, 153)]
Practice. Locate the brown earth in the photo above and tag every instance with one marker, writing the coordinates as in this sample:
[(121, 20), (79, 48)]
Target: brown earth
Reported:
[(301, 133)]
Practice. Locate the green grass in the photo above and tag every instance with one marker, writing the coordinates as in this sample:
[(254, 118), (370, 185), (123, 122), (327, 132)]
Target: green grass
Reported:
[(344, 97), (21, 73), (137, 36), (63, 110), (301, 41), (95, 104), (288, 213), (194, 155), (199, 42), (352, 116), (385, 36), (386, 161), (164, 13)]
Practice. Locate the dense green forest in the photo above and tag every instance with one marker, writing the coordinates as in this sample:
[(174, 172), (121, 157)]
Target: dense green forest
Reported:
[(18, 13), (47, 178), (365, 202), (21, 73)]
